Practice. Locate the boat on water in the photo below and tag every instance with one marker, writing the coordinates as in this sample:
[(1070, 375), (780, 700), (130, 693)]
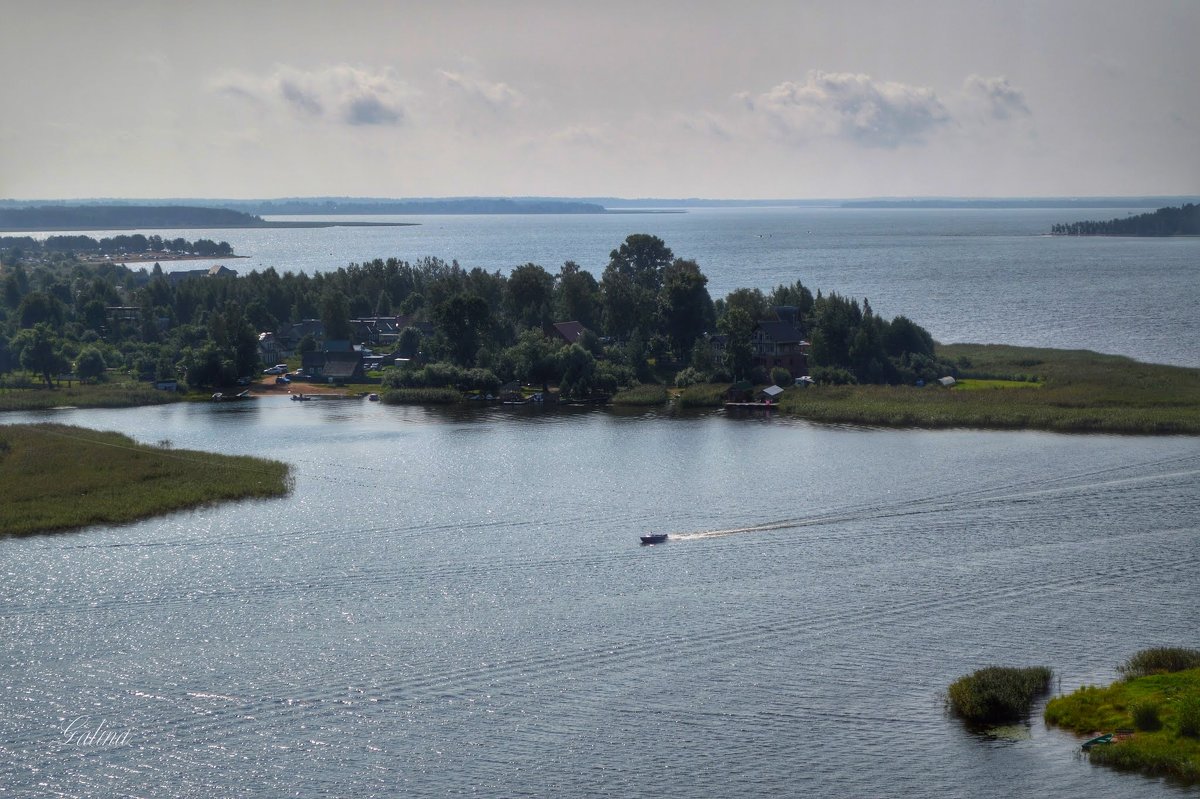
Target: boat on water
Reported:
[(373, 397), (655, 538), (301, 398)]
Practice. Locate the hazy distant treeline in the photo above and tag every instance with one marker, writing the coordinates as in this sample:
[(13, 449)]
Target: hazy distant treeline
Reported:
[(1183, 221)]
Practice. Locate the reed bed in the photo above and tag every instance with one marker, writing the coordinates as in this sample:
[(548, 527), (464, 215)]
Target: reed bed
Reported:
[(997, 693), (1074, 391), (59, 477), (644, 395)]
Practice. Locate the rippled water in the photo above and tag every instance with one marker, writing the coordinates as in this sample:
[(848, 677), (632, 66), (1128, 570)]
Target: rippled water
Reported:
[(457, 603)]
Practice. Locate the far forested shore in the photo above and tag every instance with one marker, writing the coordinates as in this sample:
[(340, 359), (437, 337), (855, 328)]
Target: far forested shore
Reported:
[(1182, 221)]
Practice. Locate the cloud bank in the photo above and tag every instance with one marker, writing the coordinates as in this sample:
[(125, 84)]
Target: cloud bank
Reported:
[(850, 106), (342, 93)]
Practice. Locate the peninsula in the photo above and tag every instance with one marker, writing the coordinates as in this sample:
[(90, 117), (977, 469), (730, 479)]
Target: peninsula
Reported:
[(147, 217), (1181, 221), (51, 483)]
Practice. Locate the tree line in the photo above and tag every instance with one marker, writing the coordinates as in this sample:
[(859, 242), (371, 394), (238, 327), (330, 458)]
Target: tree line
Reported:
[(1182, 221), (132, 244), (649, 318)]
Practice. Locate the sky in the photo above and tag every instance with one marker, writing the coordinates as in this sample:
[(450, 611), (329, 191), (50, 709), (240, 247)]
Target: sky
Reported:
[(796, 99)]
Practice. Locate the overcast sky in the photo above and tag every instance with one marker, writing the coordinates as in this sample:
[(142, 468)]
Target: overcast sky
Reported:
[(668, 99)]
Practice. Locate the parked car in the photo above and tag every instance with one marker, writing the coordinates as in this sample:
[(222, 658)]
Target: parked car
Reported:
[(281, 380), (275, 370)]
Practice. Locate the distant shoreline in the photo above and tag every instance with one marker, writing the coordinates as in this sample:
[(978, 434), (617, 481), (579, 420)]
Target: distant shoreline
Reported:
[(264, 225)]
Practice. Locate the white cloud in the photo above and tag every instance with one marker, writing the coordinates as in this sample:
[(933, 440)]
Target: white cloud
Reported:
[(1002, 99), (342, 93), (497, 96), (850, 106)]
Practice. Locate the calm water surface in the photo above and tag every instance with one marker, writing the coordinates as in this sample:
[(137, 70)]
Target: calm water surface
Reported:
[(456, 604)]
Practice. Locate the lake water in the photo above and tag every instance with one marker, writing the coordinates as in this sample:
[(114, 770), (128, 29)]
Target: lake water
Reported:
[(456, 602), (453, 604), (988, 276)]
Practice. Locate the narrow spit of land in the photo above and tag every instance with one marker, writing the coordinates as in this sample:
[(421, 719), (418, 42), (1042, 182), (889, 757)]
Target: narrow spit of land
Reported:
[(59, 478), (1022, 388)]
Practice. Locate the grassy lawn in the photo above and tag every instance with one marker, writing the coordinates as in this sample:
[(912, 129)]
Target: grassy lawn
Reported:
[(1162, 709), (58, 477), (1075, 390)]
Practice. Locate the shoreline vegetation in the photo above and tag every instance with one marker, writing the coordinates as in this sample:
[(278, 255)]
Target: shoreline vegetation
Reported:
[(52, 483), (1181, 221), (997, 694), (1153, 713), (644, 333)]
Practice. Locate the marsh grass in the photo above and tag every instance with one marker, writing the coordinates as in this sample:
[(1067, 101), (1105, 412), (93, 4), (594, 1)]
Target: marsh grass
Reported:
[(1160, 660), (118, 394), (643, 395), (997, 693), (1075, 391), (57, 477), (702, 395), (421, 396), (1167, 741)]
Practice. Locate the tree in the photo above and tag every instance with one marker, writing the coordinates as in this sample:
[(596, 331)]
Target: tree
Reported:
[(335, 314), (461, 321), (37, 307), (90, 365), (409, 343), (578, 372), (738, 327), (631, 284), (577, 296), (687, 309), (528, 295), (39, 351), (533, 359)]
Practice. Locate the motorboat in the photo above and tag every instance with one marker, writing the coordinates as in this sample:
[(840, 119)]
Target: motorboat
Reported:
[(654, 538)]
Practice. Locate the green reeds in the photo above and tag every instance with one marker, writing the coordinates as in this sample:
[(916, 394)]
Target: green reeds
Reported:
[(643, 395), (997, 693), (58, 477)]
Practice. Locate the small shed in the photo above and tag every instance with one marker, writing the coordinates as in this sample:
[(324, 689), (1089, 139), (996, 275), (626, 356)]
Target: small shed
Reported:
[(771, 393)]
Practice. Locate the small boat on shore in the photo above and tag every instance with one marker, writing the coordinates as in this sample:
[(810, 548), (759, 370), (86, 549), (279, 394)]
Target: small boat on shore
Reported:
[(655, 538), (1099, 739), (373, 397), (301, 398)]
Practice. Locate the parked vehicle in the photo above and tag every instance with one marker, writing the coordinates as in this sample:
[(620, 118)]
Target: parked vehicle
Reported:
[(275, 370)]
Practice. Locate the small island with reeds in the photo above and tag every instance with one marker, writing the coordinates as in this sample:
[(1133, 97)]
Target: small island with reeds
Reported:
[(53, 482)]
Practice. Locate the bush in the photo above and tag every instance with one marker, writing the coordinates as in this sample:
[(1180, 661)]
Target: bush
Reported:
[(997, 693), (781, 377), (688, 377), (1161, 660), (832, 376), (1187, 712), (1145, 716)]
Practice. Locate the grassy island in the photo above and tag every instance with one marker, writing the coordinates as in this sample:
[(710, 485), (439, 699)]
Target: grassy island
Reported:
[(1022, 388), (58, 477), (997, 693), (1156, 709)]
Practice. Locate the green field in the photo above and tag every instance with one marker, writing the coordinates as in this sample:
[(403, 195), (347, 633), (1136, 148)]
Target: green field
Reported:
[(1022, 388), (58, 477)]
